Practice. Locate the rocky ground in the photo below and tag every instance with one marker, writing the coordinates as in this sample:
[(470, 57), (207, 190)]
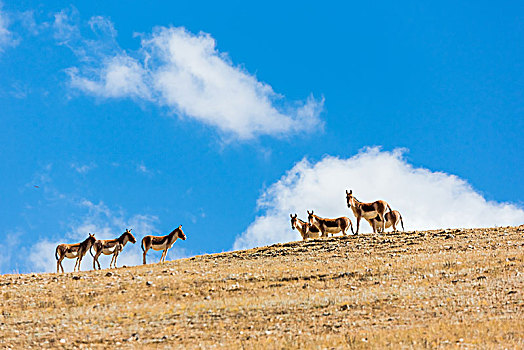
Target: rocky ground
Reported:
[(430, 289)]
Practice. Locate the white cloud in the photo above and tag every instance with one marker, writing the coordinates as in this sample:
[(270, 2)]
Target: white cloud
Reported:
[(64, 26), (6, 36), (120, 76), (141, 168), (9, 246), (186, 73), (426, 199), (83, 168)]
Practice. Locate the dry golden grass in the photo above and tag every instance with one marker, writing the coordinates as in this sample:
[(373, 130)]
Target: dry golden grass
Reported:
[(431, 289)]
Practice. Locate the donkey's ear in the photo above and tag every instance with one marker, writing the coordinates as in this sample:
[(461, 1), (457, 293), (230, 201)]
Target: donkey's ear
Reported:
[(180, 226), (350, 191), (347, 192), (291, 216)]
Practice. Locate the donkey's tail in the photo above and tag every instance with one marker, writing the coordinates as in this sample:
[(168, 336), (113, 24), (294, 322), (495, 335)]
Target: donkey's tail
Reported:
[(401, 222), (56, 253), (389, 207), (142, 246), (90, 252), (351, 226)]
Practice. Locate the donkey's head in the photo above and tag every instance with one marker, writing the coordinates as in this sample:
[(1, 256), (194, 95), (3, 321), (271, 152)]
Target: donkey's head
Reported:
[(180, 233), (349, 198), (293, 221), (129, 236), (90, 240), (310, 217)]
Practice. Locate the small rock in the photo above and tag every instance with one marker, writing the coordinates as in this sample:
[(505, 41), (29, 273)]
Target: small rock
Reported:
[(75, 278), (62, 341), (148, 283), (109, 274)]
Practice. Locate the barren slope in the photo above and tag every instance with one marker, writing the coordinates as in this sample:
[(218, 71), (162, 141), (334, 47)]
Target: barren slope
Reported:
[(415, 289)]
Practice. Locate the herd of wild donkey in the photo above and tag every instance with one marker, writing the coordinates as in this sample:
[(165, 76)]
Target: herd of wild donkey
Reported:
[(316, 227)]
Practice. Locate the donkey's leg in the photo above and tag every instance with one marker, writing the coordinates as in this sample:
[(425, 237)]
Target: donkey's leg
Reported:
[(116, 257), (358, 224), (144, 255), (344, 228), (95, 259), (76, 263), (59, 264), (80, 261), (324, 233)]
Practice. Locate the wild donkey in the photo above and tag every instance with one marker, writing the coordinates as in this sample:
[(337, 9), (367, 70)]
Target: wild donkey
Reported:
[(162, 242), (111, 247), (393, 218), (367, 211), (330, 225), (71, 251), (306, 230)]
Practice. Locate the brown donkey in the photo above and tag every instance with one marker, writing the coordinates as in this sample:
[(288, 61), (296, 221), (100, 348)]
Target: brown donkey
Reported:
[(367, 211), (162, 242), (306, 230), (111, 247), (71, 251), (329, 225), (393, 218)]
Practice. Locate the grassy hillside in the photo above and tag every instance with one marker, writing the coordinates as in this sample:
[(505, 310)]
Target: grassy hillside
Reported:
[(414, 290)]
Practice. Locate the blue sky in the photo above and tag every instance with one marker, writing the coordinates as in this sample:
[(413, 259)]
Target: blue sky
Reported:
[(225, 117)]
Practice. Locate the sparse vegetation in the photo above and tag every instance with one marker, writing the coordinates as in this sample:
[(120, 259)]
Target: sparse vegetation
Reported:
[(443, 288)]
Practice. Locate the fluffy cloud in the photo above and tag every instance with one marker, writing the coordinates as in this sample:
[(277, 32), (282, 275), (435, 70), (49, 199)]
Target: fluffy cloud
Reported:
[(120, 76), (6, 37), (426, 199), (10, 247), (105, 224), (83, 168), (186, 73)]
